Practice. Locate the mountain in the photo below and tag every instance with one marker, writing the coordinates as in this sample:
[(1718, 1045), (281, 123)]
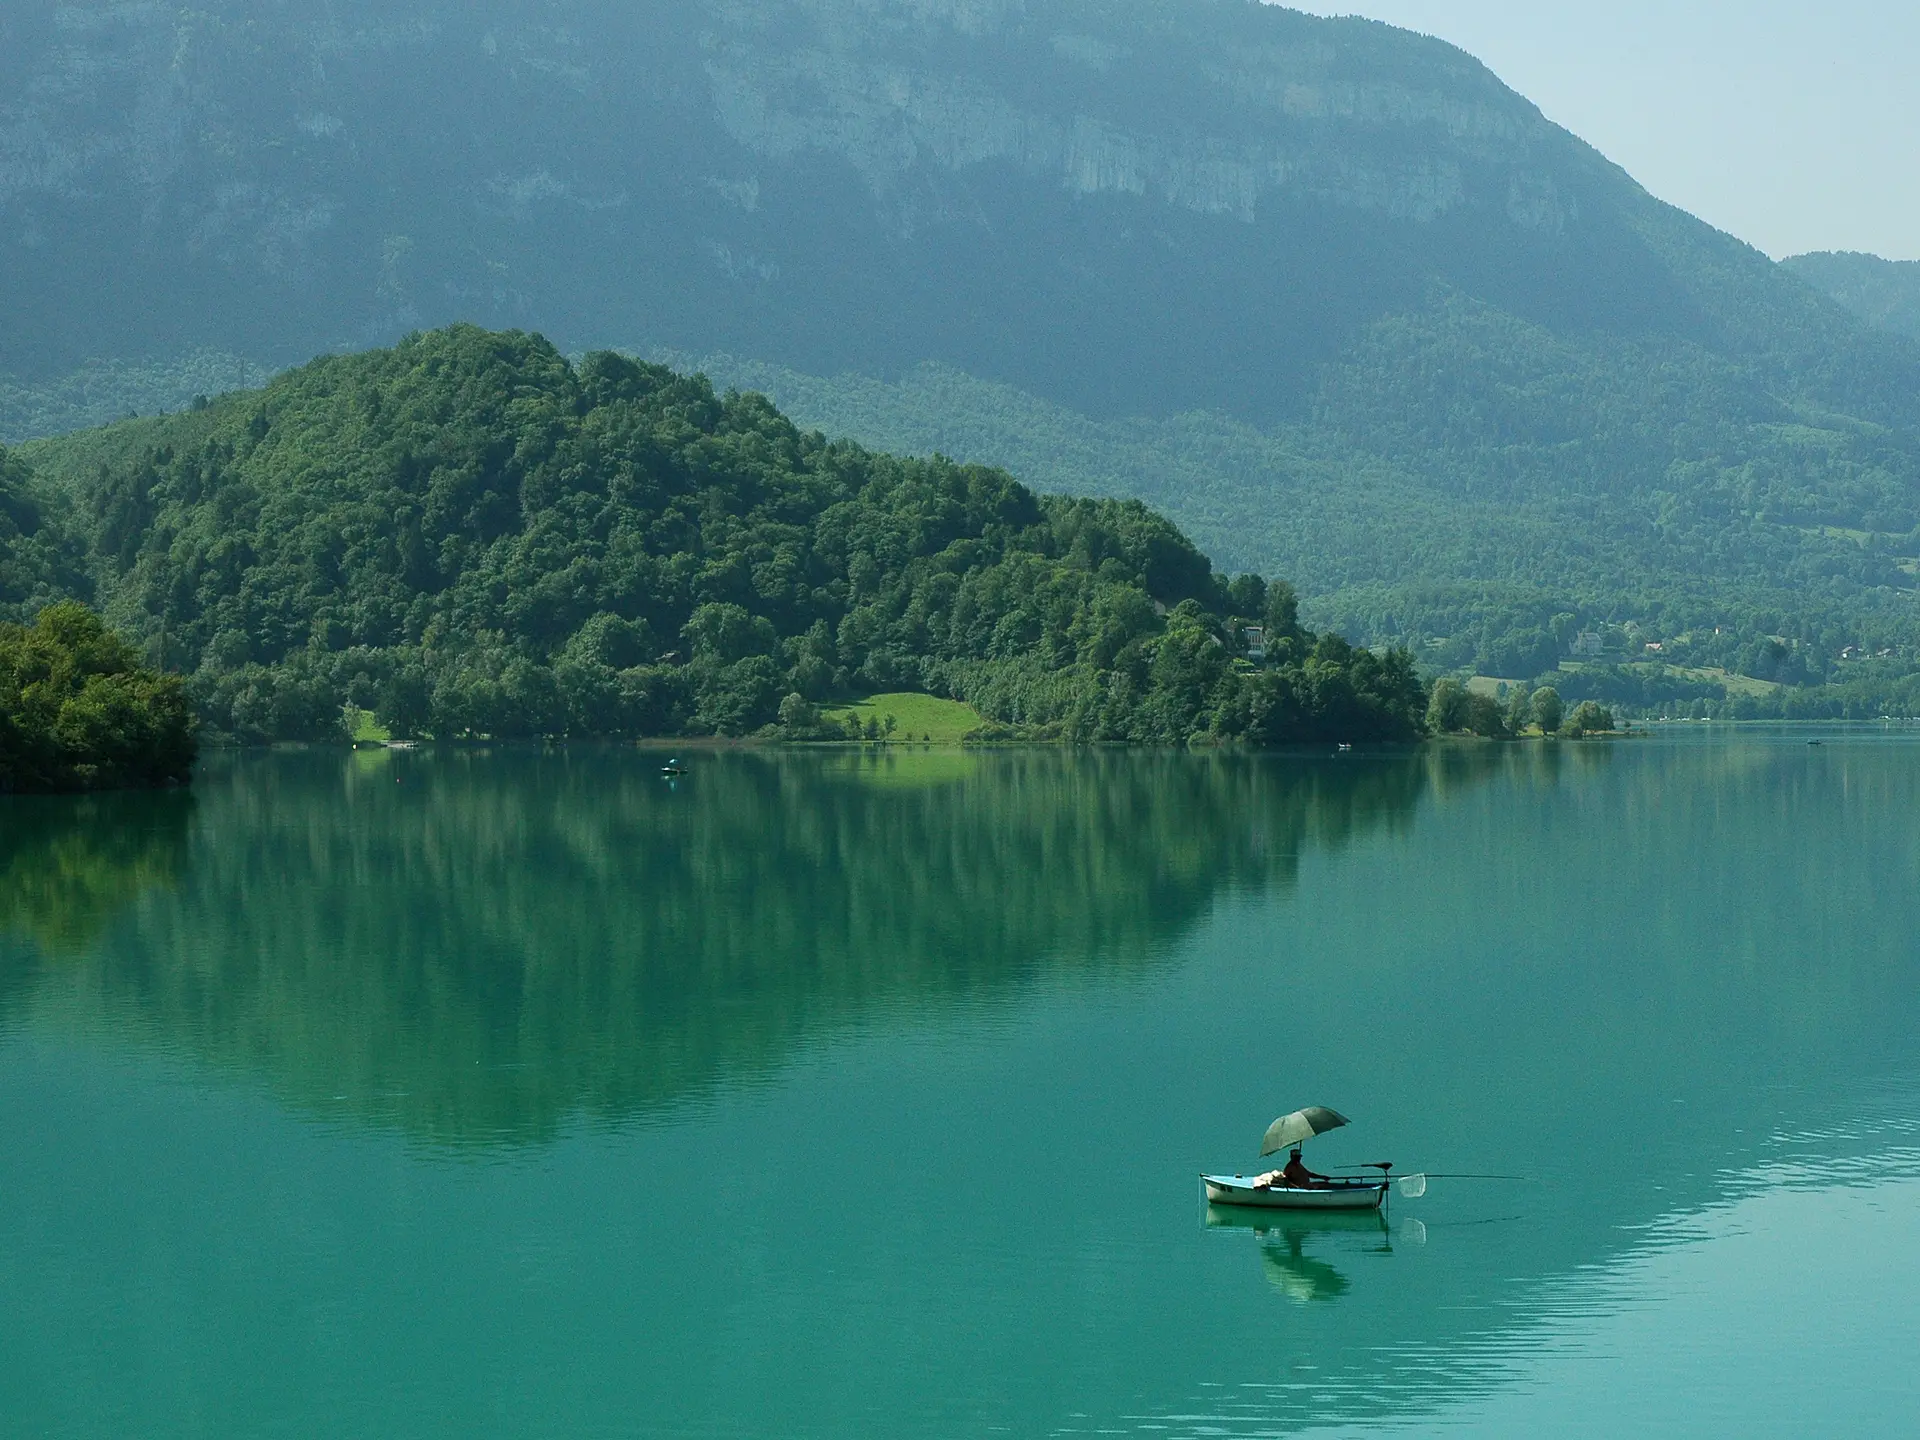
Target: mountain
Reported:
[(1337, 300), (1884, 293), (1045, 194)]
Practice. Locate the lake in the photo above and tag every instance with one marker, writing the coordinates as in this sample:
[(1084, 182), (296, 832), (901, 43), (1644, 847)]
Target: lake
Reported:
[(521, 1092)]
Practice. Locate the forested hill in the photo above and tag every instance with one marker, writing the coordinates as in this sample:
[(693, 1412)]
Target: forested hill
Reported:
[(468, 535), (1327, 293), (1884, 293)]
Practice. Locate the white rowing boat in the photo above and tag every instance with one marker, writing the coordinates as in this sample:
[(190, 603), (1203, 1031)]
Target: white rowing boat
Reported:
[(1306, 1191), (1338, 1195)]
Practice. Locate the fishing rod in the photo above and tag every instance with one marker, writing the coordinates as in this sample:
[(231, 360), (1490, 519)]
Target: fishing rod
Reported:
[(1385, 1166), (1414, 1185)]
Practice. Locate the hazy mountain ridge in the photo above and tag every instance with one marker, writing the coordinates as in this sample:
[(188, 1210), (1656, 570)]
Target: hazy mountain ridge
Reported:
[(1040, 193)]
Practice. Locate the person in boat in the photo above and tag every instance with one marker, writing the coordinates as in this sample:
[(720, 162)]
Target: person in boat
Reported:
[(1296, 1175)]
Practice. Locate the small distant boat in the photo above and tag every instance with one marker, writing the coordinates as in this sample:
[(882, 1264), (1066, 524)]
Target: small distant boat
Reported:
[(673, 767), (1272, 1191)]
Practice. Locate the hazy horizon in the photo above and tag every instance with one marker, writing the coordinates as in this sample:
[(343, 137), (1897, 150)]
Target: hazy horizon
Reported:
[(1790, 127)]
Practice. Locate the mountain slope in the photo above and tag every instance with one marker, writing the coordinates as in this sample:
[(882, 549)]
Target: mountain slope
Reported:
[(1884, 293), (1308, 255), (1040, 193), (39, 560)]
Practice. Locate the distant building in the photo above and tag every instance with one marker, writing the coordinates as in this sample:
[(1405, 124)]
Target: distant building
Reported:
[(1256, 642), (1588, 644)]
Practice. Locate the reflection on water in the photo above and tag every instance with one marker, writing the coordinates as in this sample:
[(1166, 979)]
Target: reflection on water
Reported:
[(474, 946), (929, 1048), (69, 865), (1286, 1239), (1296, 1275)]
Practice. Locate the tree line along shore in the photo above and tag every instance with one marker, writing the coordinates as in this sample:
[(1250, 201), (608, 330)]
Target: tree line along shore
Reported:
[(468, 536)]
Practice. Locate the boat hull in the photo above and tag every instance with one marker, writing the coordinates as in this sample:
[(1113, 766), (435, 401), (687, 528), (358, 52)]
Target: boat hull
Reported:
[(1240, 1190)]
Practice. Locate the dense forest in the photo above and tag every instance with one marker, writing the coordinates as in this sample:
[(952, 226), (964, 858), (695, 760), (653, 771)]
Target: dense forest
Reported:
[(39, 560), (469, 535), (1735, 532), (1884, 293)]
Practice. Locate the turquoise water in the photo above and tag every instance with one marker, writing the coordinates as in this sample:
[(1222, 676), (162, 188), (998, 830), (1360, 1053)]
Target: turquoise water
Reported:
[(510, 1093)]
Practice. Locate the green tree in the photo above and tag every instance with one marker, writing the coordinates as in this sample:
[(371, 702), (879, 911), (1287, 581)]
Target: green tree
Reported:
[(1519, 710), (1282, 616), (1447, 706), (1247, 598), (79, 712), (1485, 717), (1547, 709), (1588, 718), (799, 717)]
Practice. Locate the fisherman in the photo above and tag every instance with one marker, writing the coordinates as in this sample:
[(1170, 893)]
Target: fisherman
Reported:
[(1296, 1175)]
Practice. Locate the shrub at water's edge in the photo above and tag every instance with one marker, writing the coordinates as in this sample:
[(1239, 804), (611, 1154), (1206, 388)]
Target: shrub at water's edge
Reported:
[(467, 535), (79, 712)]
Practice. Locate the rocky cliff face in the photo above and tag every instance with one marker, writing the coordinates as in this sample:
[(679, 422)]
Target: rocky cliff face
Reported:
[(1282, 115), (1124, 206)]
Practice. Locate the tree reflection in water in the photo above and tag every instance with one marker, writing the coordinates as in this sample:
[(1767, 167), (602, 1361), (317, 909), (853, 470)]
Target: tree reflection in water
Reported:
[(479, 947), (69, 866)]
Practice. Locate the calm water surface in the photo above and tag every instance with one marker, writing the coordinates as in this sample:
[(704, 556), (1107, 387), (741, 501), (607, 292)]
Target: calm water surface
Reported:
[(526, 1094)]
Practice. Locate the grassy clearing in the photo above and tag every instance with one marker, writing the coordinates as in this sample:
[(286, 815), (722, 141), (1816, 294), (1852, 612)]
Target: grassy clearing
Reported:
[(1490, 685), (1728, 680), (916, 717), (1733, 684), (363, 729)]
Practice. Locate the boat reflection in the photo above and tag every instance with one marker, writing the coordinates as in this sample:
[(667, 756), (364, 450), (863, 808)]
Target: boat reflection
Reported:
[(1285, 1239)]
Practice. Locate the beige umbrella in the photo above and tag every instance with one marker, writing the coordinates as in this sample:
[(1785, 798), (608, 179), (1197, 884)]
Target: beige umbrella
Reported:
[(1301, 1125)]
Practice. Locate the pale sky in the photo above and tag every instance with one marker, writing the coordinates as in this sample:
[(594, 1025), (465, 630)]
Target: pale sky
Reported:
[(1794, 126)]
